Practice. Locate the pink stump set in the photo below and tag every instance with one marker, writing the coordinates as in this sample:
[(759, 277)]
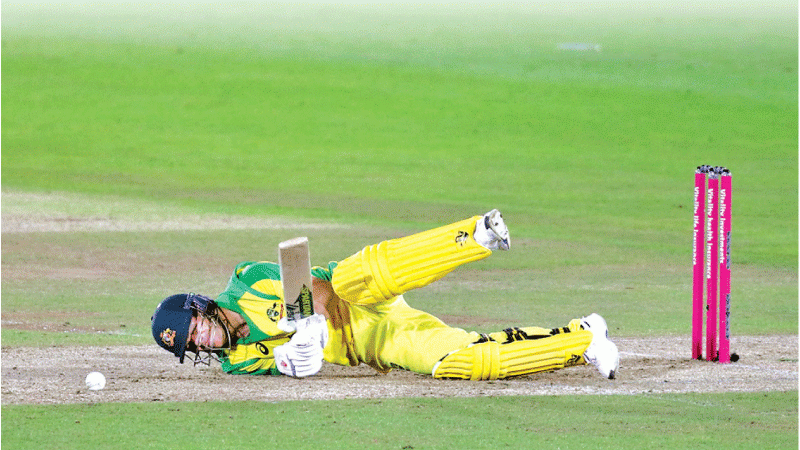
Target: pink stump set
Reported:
[(712, 252)]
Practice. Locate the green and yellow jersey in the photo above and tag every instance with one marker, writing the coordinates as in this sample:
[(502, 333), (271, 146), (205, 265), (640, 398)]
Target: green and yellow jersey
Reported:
[(254, 291)]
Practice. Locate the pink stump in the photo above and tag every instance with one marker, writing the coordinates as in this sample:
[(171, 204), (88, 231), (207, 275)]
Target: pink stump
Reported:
[(725, 268), (712, 258), (697, 263)]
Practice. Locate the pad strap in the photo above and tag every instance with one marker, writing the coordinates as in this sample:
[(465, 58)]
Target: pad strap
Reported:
[(519, 354)]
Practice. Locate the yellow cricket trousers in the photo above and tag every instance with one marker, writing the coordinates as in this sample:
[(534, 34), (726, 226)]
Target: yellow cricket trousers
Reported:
[(380, 329)]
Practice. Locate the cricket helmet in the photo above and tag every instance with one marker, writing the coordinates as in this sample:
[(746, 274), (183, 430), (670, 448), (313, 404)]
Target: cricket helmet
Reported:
[(171, 320)]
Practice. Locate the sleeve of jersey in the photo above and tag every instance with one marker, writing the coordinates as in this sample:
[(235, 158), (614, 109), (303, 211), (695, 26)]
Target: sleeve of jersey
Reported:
[(252, 359), (324, 273), (244, 276)]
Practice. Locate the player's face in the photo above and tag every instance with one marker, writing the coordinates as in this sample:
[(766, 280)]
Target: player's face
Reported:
[(206, 334)]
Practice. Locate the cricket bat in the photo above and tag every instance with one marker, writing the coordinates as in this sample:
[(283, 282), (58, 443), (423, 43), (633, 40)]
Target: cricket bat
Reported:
[(295, 262)]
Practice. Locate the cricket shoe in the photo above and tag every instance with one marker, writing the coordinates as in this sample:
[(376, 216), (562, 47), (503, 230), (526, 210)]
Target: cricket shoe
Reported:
[(491, 232), (601, 352)]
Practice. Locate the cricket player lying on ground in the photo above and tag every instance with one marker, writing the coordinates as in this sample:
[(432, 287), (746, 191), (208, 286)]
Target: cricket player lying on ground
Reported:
[(362, 317)]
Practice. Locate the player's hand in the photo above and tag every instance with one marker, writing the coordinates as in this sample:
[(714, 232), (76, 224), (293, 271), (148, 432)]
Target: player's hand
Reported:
[(314, 325), (302, 355)]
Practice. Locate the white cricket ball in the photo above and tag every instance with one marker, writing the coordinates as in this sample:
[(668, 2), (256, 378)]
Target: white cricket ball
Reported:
[(95, 381)]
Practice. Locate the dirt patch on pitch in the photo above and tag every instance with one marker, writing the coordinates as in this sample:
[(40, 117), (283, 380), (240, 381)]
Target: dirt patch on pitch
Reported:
[(56, 375)]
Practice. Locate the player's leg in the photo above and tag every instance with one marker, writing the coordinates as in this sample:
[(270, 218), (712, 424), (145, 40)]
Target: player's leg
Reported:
[(523, 351), (515, 352), (395, 336), (380, 272), (414, 340)]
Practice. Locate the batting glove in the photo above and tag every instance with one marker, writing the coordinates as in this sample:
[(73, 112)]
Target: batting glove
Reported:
[(302, 355)]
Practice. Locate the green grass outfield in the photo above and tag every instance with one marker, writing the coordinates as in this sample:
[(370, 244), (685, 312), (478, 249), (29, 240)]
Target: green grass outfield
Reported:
[(390, 120), (734, 421)]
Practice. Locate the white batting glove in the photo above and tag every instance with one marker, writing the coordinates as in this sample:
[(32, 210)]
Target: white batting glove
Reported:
[(314, 325), (302, 355)]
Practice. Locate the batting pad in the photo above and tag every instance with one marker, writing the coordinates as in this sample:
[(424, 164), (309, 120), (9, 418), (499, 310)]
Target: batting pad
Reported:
[(380, 272), (493, 360)]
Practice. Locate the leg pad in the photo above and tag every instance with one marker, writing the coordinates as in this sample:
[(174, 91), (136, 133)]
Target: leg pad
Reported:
[(383, 271), (491, 360)]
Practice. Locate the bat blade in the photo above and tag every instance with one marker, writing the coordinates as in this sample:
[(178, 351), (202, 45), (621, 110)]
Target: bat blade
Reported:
[(295, 261)]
